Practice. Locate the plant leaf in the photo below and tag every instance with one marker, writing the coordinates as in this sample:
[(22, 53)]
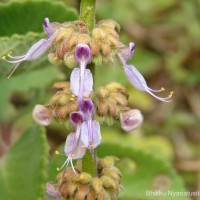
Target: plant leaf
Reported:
[(22, 17), (23, 83), (23, 168)]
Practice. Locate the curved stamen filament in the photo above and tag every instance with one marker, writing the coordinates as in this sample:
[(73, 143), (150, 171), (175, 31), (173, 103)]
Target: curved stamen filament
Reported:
[(16, 57), (13, 61), (160, 98), (13, 70), (161, 90)]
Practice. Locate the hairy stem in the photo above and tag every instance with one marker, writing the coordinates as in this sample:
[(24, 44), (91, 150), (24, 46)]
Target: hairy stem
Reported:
[(87, 15)]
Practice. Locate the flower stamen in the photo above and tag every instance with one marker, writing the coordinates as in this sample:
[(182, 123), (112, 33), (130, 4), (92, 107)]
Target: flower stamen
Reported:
[(3, 57), (57, 152), (170, 94)]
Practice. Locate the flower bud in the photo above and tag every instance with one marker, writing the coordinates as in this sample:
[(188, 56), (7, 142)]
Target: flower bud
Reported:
[(131, 120), (42, 115), (110, 23), (95, 47), (103, 195), (109, 182), (105, 47), (119, 99), (102, 107), (64, 99), (52, 190), (116, 87), (83, 39), (61, 112), (114, 43), (70, 61), (127, 52), (59, 52), (91, 194), (68, 189), (112, 172), (97, 184), (82, 192), (55, 98), (53, 58), (66, 46), (102, 92), (85, 178), (112, 33), (99, 34), (72, 40), (81, 26), (61, 86), (112, 108), (108, 161), (68, 175), (62, 34)]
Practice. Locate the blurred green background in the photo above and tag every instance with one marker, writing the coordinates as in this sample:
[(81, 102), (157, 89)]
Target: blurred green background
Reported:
[(163, 154)]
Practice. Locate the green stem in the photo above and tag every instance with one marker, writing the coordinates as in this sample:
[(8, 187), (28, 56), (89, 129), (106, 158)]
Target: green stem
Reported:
[(87, 15)]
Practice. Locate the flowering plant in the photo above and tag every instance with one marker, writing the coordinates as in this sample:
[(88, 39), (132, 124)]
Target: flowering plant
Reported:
[(82, 46)]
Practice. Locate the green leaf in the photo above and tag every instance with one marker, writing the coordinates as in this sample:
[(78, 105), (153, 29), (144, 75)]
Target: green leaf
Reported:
[(113, 74), (56, 161), (150, 144), (22, 17), (23, 83), (23, 168), (141, 173)]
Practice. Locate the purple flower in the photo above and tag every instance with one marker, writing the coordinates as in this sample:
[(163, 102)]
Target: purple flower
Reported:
[(73, 145), (87, 107), (42, 115), (86, 136), (81, 78), (131, 120), (90, 134), (135, 77), (37, 50), (127, 53), (90, 129), (52, 190), (74, 148)]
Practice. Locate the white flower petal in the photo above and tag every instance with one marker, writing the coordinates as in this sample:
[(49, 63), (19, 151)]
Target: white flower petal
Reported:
[(96, 133), (79, 151), (75, 82)]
